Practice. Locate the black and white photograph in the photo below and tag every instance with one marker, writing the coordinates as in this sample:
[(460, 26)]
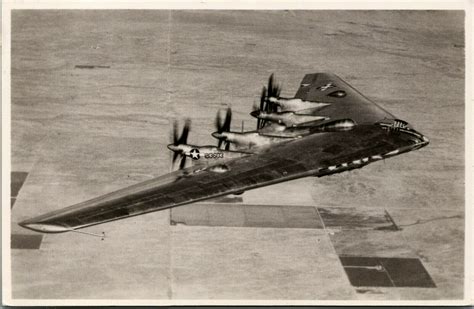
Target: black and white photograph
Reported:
[(224, 156)]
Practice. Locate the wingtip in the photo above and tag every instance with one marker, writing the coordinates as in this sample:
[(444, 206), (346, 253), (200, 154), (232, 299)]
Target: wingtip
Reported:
[(43, 227)]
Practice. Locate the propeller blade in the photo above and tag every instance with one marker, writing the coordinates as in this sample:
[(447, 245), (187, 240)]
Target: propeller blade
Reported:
[(184, 135), (175, 156), (254, 113), (227, 146), (217, 122), (228, 120), (175, 133), (183, 162), (270, 86), (268, 105), (274, 89), (223, 127), (263, 96)]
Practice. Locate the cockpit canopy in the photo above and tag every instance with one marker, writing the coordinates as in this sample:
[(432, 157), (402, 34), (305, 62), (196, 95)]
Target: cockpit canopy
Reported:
[(395, 124)]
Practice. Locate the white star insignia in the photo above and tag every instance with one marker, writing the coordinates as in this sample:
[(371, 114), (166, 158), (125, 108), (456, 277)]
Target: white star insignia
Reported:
[(326, 87), (194, 154)]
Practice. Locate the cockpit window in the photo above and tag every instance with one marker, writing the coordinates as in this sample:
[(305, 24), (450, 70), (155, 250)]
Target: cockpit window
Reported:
[(395, 124)]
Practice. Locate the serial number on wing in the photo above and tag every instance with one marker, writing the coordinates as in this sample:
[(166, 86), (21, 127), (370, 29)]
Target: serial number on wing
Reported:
[(217, 155)]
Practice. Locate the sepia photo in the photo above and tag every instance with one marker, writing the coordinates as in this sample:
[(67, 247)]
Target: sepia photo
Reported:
[(226, 156)]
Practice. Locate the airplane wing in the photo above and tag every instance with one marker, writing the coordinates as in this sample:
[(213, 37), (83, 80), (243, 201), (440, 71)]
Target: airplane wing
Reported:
[(314, 155), (345, 101)]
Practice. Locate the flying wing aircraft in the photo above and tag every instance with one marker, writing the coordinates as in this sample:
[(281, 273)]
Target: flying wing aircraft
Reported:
[(345, 131)]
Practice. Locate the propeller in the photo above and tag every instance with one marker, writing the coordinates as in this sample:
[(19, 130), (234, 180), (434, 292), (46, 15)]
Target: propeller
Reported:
[(180, 140), (223, 126), (273, 90), (260, 122), (263, 97)]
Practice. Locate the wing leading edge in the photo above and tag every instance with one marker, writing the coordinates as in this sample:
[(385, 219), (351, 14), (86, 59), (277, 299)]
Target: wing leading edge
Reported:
[(315, 155)]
